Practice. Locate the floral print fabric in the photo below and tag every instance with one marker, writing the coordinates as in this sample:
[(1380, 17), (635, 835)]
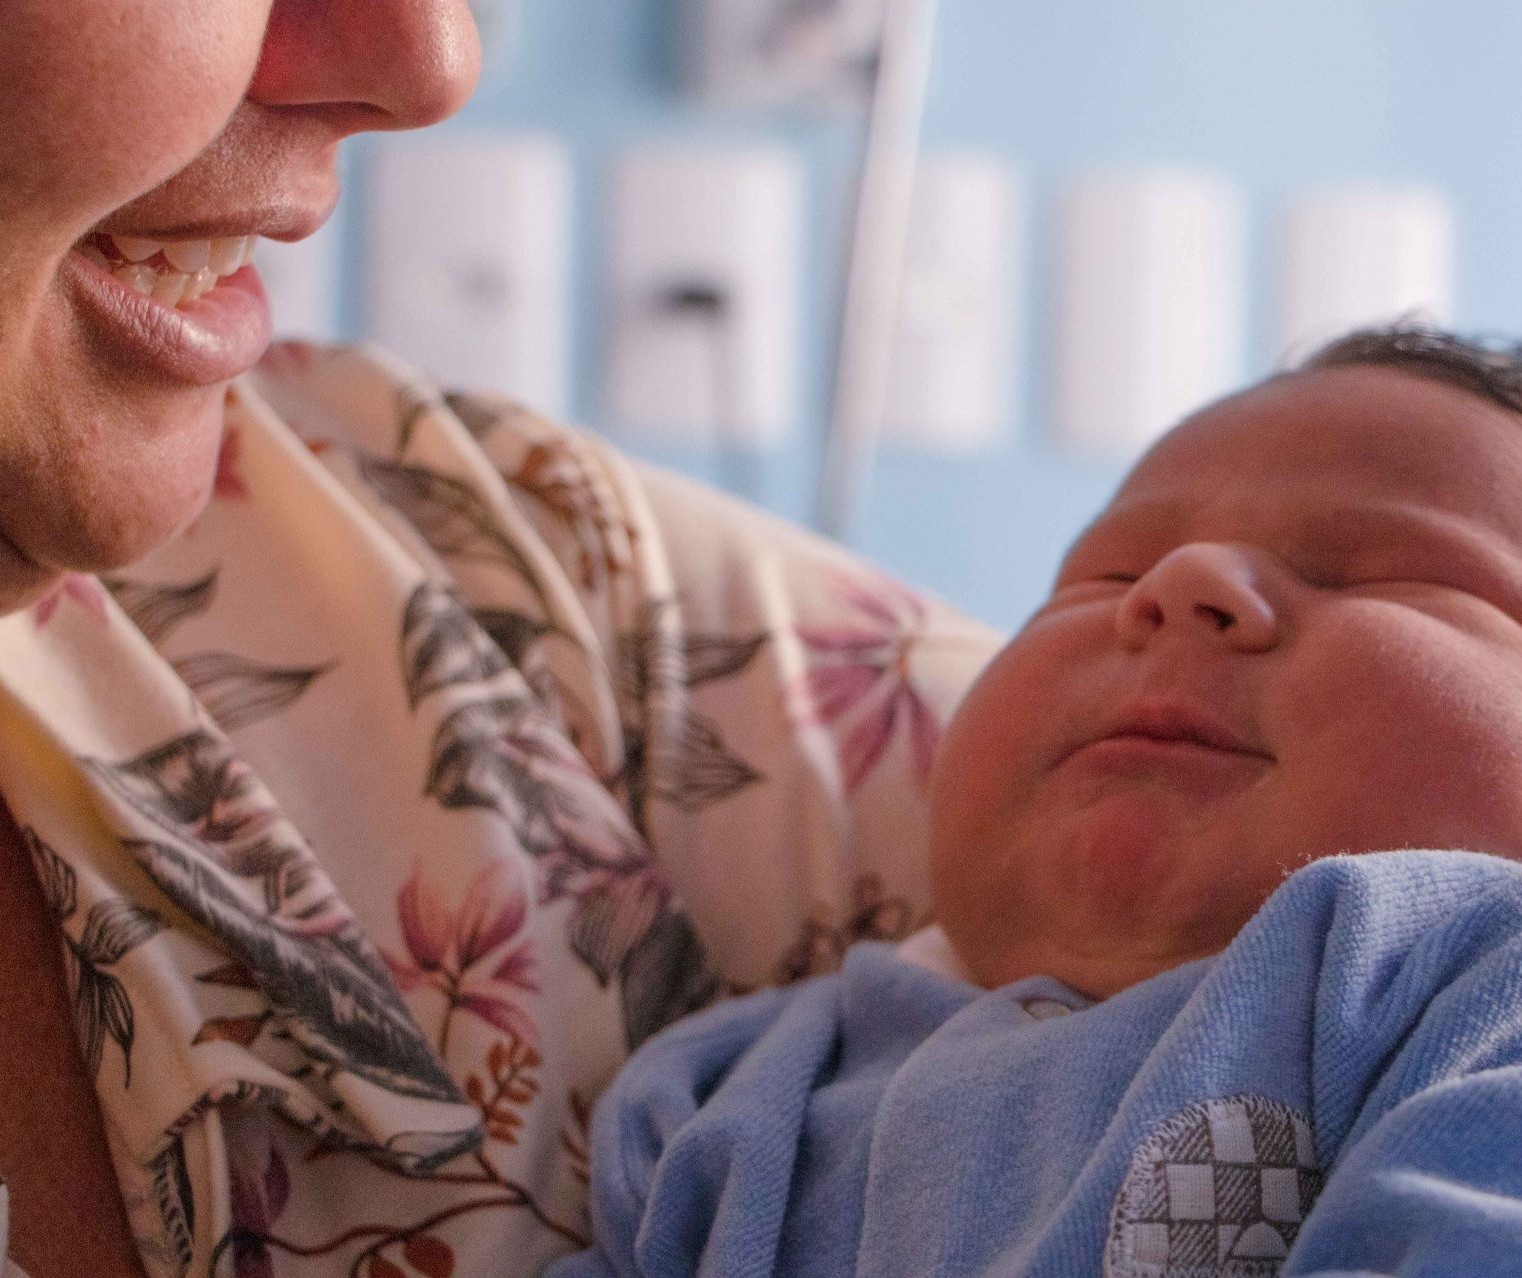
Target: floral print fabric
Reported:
[(444, 759)]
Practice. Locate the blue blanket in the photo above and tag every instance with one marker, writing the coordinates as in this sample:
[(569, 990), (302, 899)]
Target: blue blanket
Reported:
[(1337, 1093)]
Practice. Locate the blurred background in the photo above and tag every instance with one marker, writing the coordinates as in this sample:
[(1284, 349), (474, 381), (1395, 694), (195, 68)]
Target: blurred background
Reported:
[(927, 276)]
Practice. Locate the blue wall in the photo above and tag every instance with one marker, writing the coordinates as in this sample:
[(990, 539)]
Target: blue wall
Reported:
[(1277, 94)]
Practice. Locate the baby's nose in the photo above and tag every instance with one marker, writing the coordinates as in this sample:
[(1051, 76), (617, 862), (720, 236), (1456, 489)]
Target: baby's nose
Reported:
[(1209, 590)]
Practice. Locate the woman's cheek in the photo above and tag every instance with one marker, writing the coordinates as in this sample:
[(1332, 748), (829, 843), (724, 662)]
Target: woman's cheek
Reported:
[(101, 101)]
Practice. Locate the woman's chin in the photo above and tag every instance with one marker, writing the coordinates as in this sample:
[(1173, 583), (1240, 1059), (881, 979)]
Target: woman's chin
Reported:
[(136, 528), (138, 487)]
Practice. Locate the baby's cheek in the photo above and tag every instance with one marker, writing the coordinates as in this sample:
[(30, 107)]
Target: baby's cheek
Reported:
[(1394, 728), (998, 731)]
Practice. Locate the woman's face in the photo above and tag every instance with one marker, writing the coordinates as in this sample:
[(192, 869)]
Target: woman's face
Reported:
[(126, 125)]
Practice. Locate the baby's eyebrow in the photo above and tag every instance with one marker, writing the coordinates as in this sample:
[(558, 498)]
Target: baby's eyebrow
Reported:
[(1387, 524), (1468, 546), (1149, 519), (1436, 539)]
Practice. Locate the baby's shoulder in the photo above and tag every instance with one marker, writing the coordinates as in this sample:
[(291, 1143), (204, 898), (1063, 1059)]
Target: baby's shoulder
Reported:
[(1412, 954), (1390, 903)]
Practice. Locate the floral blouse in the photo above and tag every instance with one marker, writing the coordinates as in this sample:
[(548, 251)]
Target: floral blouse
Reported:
[(445, 758)]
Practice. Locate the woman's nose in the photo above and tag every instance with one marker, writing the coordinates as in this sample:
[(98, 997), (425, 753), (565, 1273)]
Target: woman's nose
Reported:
[(1207, 591), (370, 64)]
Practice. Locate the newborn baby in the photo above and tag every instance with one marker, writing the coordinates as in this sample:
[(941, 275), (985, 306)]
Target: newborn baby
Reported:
[(1174, 1029)]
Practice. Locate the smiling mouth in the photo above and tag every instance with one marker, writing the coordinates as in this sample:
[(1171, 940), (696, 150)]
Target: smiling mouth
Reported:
[(175, 272)]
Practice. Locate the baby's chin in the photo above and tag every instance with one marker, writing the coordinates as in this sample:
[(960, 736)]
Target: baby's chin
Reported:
[(1100, 904)]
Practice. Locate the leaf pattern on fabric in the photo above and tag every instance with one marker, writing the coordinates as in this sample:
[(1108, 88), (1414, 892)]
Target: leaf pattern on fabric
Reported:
[(414, 402), (610, 923), (60, 885), (175, 1200), (521, 639), (211, 823), (822, 945), (554, 473), (590, 518), (237, 692), (515, 633), (159, 610), (508, 1087), (450, 515), (666, 975), (629, 931), (481, 414), (711, 657), (695, 769), (112, 929), (101, 1008), (860, 683), (335, 1002), (708, 772), (505, 754), (500, 754), (443, 645), (198, 790), (576, 1137)]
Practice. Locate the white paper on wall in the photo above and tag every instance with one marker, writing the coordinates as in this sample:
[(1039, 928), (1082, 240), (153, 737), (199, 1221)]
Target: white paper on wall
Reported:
[(955, 352), (469, 260), (1152, 305), (1355, 255)]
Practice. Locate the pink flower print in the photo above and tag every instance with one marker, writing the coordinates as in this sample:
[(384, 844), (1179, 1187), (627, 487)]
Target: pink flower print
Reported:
[(289, 357), (229, 483), (860, 677), (477, 954), (86, 591), (258, 1195)]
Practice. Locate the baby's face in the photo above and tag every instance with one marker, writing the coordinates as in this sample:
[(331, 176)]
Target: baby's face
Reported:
[(1295, 631)]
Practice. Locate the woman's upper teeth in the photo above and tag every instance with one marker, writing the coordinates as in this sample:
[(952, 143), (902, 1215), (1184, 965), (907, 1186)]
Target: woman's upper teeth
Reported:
[(224, 256), (191, 267)]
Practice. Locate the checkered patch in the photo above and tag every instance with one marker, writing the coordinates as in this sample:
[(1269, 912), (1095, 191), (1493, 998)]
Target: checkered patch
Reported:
[(1217, 1191)]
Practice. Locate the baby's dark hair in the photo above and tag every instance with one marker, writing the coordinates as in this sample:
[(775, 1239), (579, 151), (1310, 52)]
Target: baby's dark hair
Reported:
[(1489, 367)]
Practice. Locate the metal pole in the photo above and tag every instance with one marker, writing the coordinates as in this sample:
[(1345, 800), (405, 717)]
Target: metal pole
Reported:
[(870, 313)]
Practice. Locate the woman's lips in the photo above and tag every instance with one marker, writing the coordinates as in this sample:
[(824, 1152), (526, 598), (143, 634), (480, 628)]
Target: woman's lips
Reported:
[(214, 339)]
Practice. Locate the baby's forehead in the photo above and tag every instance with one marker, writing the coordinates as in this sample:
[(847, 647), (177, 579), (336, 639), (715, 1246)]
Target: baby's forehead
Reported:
[(1359, 438)]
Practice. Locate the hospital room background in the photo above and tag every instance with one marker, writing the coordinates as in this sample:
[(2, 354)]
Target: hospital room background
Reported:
[(927, 275)]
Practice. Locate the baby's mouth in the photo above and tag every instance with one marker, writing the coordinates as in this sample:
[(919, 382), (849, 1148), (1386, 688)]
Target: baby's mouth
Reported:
[(1172, 725), (175, 272)]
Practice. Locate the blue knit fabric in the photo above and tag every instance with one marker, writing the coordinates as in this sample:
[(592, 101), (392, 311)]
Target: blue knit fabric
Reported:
[(1337, 1093)]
